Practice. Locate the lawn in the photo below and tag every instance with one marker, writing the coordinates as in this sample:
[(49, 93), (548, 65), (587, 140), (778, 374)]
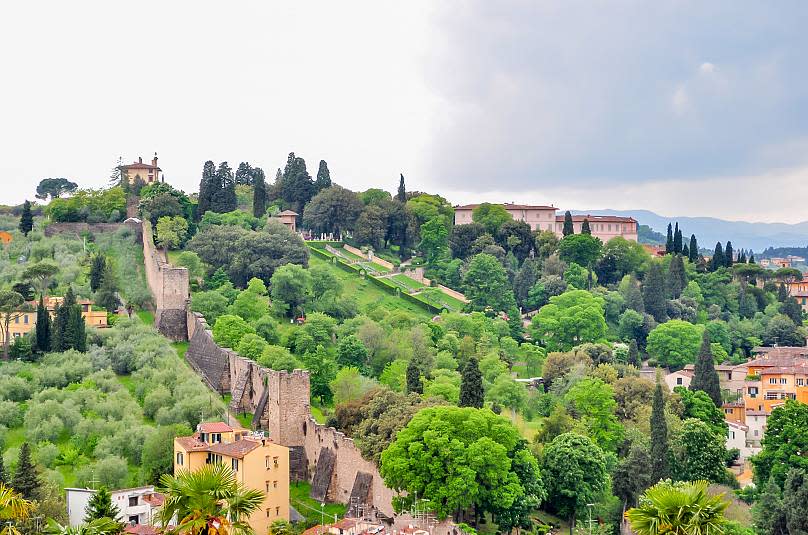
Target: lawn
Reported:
[(349, 255), (407, 282), (372, 267), (526, 429), (367, 294), (146, 316), (312, 510), (439, 298)]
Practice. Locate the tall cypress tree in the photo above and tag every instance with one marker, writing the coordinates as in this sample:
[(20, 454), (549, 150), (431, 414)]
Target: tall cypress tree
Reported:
[(742, 258), (26, 480), (568, 228), (76, 330), (704, 375), (669, 240), (694, 249), (61, 338), (471, 385), (101, 506), (208, 186), (26, 219), (677, 278), (751, 258), (718, 257), (659, 436), (414, 383), (323, 177), (259, 192), (685, 251), (43, 328), (677, 240), (401, 194), (97, 272), (585, 227), (728, 255), (244, 174), (653, 293), (782, 293), (634, 357), (224, 198)]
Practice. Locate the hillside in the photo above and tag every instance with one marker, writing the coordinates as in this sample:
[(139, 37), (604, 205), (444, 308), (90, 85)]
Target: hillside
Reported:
[(755, 236)]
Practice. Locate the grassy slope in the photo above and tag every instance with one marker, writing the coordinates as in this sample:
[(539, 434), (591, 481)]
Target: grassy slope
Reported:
[(311, 509)]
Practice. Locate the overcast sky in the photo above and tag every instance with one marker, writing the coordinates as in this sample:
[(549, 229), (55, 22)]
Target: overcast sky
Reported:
[(681, 107)]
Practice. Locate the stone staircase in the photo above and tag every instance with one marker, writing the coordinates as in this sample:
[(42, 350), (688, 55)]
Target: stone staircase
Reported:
[(242, 392)]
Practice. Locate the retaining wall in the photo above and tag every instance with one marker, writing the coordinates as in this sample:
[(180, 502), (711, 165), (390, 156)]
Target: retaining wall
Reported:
[(78, 229), (169, 286)]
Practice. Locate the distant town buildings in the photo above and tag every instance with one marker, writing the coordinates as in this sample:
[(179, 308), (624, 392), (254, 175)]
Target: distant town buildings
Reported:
[(25, 321), (137, 506), (545, 218), (257, 462), (786, 262), (799, 291), (148, 173)]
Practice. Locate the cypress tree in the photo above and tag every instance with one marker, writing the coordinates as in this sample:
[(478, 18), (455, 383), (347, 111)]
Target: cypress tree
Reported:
[(26, 480), (669, 240), (718, 257), (97, 272), (107, 294), (751, 258), (471, 385), (323, 177), (401, 194), (677, 279), (26, 219), (76, 330), (677, 240), (569, 228), (634, 354), (704, 375), (224, 198), (61, 339), (207, 188), (101, 506), (633, 296), (742, 258), (259, 192), (685, 251), (694, 249), (782, 293), (43, 328), (244, 174), (792, 309), (659, 437), (414, 383), (728, 255), (653, 293), (585, 227)]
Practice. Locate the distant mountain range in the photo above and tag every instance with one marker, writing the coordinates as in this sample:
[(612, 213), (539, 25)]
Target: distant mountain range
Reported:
[(708, 230)]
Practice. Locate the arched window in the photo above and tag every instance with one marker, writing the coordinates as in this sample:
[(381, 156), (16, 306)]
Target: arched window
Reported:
[(180, 458)]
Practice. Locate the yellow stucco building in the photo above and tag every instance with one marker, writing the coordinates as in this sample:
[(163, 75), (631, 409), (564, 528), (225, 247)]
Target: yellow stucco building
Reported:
[(257, 462), (148, 173), (25, 321)]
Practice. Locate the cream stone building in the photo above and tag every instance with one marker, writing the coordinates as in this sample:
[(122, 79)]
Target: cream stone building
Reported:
[(148, 173)]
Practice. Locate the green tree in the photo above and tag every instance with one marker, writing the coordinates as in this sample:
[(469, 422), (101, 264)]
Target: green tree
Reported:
[(97, 271), (194, 499), (43, 328), (507, 393), (581, 249), (585, 227), (660, 461), (785, 436), (491, 216), (401, 194), (486, 284), (693, 249), (677, 278), (40, 275), (107, 294), (26, 219), (371, 227), (704, 375), (415, 384), (207, 187), (795, 501), (434, 240), (210, 304), (729, 257), (593, 402), (54, 188), (471, 386), (11, 309), (669, 240), (634, 357), (684, 507), (229, 330), (462, 238), (290, 289), (260, 193), (101, 506), (323, 370), (243, 175), (351, 351), (653, 293), (457, 458), (574, 470), (718, 258), (677, 240), (570, 319), (296, 186), (675, 343), (568, 228), (323, 177), (632, 475), (224, 199), (26, 479), (334, 210), (768, 512), (252, 303), (171, 232), (697, 404), (699, 453)]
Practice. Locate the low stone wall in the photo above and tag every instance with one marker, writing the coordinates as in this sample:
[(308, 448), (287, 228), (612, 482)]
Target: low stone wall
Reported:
[(453, 293), (55, 229), (170, 288)]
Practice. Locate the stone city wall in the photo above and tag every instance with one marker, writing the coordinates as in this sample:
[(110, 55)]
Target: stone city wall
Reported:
[(55, 229), (170, 288)]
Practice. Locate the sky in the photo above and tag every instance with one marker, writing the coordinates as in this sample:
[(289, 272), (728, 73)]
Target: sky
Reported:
[(676, 106)]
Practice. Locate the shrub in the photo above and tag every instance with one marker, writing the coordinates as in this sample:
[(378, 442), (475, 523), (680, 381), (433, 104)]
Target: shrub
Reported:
[(10, 414), (229, 330), (46, 454), (111, 472), (251, 346)]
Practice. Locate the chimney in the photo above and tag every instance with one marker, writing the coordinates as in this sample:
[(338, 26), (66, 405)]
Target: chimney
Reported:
[(154, 160), (139, 159)]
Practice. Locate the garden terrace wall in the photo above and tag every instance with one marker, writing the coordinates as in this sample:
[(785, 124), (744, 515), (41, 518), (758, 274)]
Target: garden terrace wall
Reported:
[(170, 288), (78, 229)]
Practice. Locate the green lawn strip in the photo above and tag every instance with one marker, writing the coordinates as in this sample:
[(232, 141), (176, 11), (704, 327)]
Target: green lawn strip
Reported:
[(318, 415), (408, 282), (173, 256), (349, 255), (310, 509), (146, 316)]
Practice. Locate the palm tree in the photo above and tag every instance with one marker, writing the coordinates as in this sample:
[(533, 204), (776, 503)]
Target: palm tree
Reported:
[(13, 508), (208, 501), (99, 526), (682, 508)]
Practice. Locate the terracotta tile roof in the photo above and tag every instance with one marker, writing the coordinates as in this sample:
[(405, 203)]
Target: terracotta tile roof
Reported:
[(346, 523), (191, 443), (214, 427), (508, 206), (316, 530), (139, 165), (598, 219), (237, 449), (141, 529), (155, 500), (289, 212)]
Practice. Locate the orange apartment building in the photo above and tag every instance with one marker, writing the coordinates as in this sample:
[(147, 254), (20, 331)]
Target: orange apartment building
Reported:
[(257, 462), (545, 218), (25, 321)]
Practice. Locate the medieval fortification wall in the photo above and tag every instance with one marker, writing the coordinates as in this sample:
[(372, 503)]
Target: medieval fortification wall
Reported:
[(169, 286)]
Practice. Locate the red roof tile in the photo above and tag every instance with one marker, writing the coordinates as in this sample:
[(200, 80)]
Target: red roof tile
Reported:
[(598, 219), (191, 443), (237, 449), (508, 206), (141, 529), (214, 427)]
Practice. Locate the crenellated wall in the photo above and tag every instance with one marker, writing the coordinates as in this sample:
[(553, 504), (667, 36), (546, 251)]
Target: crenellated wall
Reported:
[(169, 286)]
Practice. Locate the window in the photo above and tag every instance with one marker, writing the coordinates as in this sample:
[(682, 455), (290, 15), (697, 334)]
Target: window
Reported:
[(679, 380), (180, 460), (267, 483), (772, 380), (132, 501), (783, 381), (234, 464), (275, 460), (277, 511), (16, 319), (800, 382), (727, 411), (134, 519), (25, 319), (266, 462), (733, 434), (267, 513), (214, 459), (756, 432), (274, 484)]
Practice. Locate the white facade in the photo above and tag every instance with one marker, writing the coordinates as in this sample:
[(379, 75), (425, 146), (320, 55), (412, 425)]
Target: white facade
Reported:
[(136, 506), (679, 378)]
